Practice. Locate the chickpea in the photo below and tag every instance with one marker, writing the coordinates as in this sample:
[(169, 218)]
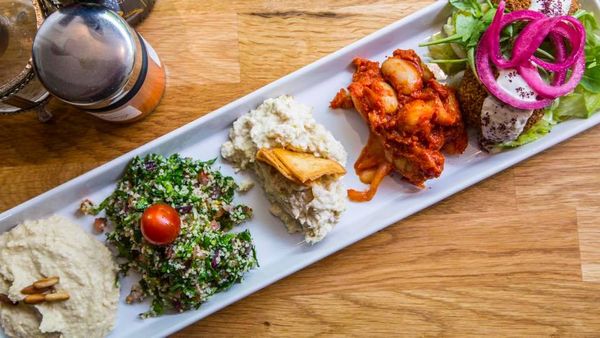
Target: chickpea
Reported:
[(402, 74), (381, 92), (388, 97), (418, 111)]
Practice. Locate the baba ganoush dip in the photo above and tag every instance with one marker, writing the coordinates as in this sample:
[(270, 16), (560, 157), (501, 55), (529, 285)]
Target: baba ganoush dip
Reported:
[(57, 247), (282, 122)]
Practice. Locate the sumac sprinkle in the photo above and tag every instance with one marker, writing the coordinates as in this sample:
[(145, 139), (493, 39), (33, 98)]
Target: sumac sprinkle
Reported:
[(184, 209), (150, 165), (214, 263)]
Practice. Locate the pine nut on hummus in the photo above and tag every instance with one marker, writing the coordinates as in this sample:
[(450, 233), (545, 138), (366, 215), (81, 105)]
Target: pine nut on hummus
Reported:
[(56, 281), (286, 127)]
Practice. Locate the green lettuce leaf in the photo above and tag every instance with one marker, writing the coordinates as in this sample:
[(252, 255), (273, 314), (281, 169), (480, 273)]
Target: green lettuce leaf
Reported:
[(465, 26), (445, 52), (592, 103), (579, 104), (471, 6), (591, 79), (571, 106)]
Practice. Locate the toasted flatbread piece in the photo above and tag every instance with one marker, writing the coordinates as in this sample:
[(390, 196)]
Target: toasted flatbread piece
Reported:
[(299, 167), (307, 167), (269, 157)]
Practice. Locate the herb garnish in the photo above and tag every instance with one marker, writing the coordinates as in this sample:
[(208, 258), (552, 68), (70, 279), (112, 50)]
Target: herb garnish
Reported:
[(469, 20)]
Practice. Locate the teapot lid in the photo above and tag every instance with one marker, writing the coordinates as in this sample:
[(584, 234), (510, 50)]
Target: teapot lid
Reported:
[(85, 54)]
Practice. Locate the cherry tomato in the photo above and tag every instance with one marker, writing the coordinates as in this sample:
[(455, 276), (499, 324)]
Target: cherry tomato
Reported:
[(160, 224)]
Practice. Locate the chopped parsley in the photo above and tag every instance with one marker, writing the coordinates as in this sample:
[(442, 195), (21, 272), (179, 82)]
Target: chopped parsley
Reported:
[(205, 258)]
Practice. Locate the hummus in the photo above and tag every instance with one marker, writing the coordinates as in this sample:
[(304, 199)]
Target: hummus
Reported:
[(312, 209), (57, 247)]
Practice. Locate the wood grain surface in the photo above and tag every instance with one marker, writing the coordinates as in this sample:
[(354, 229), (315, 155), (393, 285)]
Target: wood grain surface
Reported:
[(516, 255)]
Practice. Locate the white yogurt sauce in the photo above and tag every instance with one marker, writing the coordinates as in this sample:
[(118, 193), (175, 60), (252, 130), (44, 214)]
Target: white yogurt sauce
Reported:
[(499, 121), (515, 85), (551, 7)]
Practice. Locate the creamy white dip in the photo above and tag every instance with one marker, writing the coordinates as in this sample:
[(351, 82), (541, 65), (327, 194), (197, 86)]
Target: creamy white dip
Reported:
[(551, 7), (501, 122), (57, 247), (285, 123)]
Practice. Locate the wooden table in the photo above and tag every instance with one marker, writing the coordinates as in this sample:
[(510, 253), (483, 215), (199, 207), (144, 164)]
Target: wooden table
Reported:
[(517, 254)]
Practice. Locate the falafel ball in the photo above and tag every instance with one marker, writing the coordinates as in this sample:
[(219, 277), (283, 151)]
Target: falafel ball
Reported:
[(471, 95)]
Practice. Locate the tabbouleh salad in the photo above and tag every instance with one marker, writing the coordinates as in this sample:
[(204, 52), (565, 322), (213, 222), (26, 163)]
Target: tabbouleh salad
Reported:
[(204, 258)]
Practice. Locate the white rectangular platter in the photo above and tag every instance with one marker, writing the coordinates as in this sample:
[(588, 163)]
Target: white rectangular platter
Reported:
[(280, 253)]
